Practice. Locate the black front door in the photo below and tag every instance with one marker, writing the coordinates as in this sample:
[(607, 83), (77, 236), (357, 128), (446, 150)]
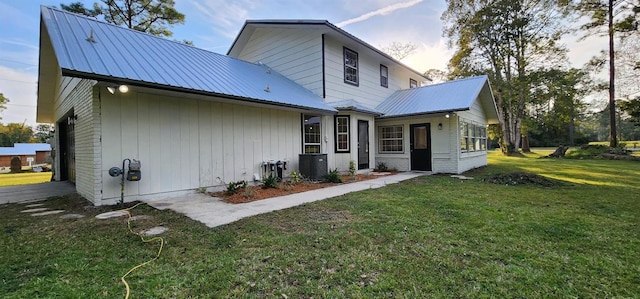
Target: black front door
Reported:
[(363, 144), (420, 147), (67, 152)]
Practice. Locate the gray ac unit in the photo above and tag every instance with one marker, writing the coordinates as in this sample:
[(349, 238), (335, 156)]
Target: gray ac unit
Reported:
[(313, 166)]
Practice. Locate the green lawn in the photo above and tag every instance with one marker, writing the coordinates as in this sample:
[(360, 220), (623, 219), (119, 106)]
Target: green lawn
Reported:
[(431, 237), (10, 179), (628, 144)]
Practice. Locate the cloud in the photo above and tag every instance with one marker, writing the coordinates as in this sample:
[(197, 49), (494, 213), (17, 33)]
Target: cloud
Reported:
[(21, 90), (224, 16), (380, 12), (430, 56)]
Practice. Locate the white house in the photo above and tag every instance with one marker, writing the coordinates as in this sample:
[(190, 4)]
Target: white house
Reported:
[(199, 119)]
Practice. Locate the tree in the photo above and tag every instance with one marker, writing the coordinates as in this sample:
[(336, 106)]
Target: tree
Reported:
[(150, 16), (632, 108), (15, 133), (3, 103), (507, 40), (399, 50), (436, 76), (43, 133), (611, 16)]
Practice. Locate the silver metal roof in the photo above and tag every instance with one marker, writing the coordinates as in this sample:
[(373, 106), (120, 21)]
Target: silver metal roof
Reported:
[(353, 105), (458, 95), (87, 48)]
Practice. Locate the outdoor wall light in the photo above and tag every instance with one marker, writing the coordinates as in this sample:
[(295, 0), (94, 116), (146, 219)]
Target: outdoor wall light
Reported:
[(440, 126), (121, 88), (447, 115)]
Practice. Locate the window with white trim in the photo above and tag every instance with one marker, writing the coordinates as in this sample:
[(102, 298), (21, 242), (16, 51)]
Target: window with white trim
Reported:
[(311, 134), (342, 134), (413, 83), (390, 139), (350, 67), (384, 76), (472, 137)]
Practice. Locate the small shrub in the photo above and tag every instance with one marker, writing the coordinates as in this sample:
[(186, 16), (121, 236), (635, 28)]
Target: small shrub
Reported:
[(249, 193), (352, 170), (295, 177), (333, 177), (16, 164), (270, 182), (234, 187), (202, 190), (381, 167)]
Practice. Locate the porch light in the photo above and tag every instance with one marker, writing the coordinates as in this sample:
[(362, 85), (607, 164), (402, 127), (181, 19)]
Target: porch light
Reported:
[(121, 88), (447, 115), (440, 125)]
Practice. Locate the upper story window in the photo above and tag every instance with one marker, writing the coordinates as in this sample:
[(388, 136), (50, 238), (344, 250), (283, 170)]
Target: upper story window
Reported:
[(413, 83), (311, 134), (350, 67), (384, 76)]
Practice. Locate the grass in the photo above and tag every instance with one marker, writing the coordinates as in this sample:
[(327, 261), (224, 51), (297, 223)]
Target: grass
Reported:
[(10, 179), (431, 237)]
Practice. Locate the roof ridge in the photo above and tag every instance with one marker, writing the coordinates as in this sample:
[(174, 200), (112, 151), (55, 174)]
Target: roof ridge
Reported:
[(453, 81)]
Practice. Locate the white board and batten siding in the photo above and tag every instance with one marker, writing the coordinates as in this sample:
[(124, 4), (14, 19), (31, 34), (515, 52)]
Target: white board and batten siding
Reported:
[(341, 160), (369, 92), (296, 54), (476, 159), (184, 144), (81, 96), (444, 145)]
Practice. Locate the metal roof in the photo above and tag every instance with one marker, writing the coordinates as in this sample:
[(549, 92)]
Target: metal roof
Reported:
[(20, 149), (324, 25), (353, 105), (458, 95), (87, 48)]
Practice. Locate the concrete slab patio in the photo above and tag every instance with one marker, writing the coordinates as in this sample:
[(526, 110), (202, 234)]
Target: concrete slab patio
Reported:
[(214, 212), (34, 192)]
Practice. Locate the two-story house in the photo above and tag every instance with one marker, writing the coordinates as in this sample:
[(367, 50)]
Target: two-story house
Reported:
[(195, 118)]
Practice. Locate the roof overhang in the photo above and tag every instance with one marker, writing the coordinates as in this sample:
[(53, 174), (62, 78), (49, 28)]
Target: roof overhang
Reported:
[(48, 77), (321, 26)]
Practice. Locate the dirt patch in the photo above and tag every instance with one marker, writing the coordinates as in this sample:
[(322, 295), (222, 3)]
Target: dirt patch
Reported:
[(253, 193), (523, 178)]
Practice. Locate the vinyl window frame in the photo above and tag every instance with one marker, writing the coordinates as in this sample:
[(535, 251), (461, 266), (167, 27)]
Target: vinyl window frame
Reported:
[(391, 142), (339, 133), (351, 64), (384, 76)]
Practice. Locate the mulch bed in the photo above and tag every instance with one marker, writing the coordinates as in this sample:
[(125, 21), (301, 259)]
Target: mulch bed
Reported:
[(253, 193)]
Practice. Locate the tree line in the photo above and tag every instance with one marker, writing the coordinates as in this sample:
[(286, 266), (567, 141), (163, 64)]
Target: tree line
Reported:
[(540, 98)]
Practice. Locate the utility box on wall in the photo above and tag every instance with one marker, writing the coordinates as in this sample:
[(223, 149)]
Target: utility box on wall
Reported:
[(313, 166)]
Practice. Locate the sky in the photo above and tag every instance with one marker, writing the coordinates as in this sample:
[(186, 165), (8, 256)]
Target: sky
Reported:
[(213, 25)]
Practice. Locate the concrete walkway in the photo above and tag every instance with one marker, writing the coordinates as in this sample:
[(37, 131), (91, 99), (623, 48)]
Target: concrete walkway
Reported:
[(34, 192), (213, 212)]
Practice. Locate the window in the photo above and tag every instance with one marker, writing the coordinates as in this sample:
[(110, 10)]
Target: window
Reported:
[(413, 83), (472, 137), (342, 134), (391, 139), (311, 138), (350, 67), (384, 76)]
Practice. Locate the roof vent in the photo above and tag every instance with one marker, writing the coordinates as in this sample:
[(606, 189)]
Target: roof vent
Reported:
[(267, 88), (90, 38)]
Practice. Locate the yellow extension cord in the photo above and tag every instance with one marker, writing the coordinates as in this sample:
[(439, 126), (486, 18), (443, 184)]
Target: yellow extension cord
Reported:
[(143, 240)]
